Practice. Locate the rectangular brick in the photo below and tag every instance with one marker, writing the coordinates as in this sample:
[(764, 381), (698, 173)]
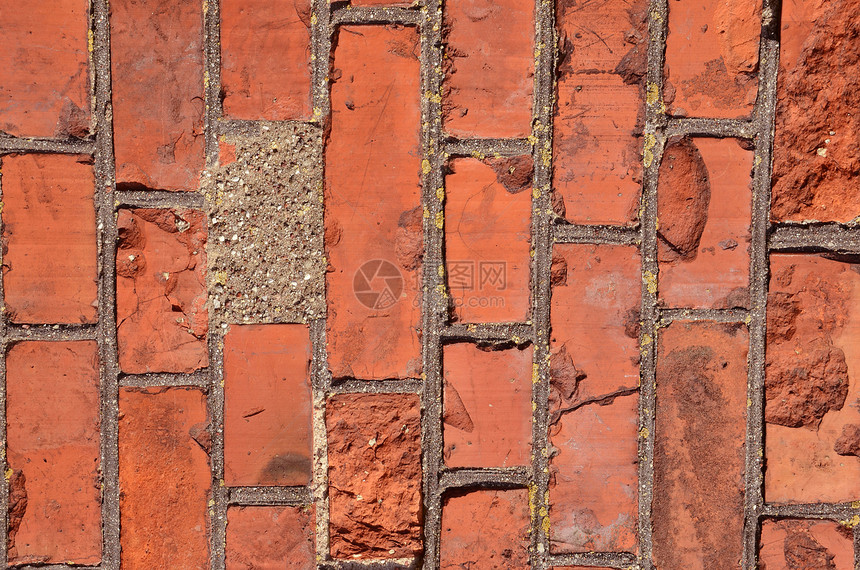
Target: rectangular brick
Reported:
[(487, 400), (270, 538), (599, 115), (164, 478), (162, 321), (267, 405), (49, 239), (157, 82), (374, 457), (487, 238), (697, 512), (704, 209), (793, 543), (258, 37), (44, 83), (712, 57), (811, 381), (373, 216), (52, 448), (489, 68), (594, 375)]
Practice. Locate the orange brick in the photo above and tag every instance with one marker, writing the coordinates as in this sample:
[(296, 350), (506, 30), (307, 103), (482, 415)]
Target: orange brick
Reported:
[(792, 543), (270, 538)]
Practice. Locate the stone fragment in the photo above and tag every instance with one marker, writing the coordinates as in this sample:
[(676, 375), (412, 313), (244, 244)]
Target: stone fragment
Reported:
[(792, 544), (270, 538)]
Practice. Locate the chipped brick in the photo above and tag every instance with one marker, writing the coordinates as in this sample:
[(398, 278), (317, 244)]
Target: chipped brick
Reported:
[(791, 543)]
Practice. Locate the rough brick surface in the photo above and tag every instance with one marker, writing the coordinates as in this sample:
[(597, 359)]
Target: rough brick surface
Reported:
[(487, 238), (267, 405), (157, 82), (790, 543), (374, 475), (52, 451), (270, 538), (49, 239), (373, 211), (258, 38), (697, 511), (44, 84), (161, 292), (164, 478)]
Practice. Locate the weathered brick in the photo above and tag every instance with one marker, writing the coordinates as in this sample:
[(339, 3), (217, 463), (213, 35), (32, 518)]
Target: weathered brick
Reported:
[(712, 57), (487, 238), (52, 447), (374, 455), (791, 543), (599, 110), (704, 209), (489, 68), (157, 83), (257, 38), (161, 294), (594, 375), (490, 529), (487, 404), (697, 513), (49, 239), (267, 405), (811, 384), (270, 538), (373, 216), (44, 85), (816, 156), (164, 478)]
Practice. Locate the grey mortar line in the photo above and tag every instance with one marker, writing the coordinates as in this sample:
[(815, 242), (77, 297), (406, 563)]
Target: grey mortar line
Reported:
[(18, 333), (4, 339), (159, 199), (199, 379), (600, 559), (489, 148), (12, 145), (515, 333), (706, 127), (269, 496), (667, 316), (833, 511), (375, 15), (352, 386), (617, 235), (493, 478), (815, 237)]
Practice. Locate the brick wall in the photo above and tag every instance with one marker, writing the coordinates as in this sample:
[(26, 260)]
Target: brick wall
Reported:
[(473, 284)]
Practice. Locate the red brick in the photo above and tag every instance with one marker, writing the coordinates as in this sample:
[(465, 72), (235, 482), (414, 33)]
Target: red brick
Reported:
[(791, 543), (374, 457), (270, 538), (49, 239), (712, 57), (815, 153), (52, 430), (490, 529), (372, 209), (487, 406), (164, 478), (161, 292), (44, 85), (595, 360), (157, 82), (487, 238), (600, 109), (267, 405), (704, 251), (489, 68), (697, 513), (258, 37), (811, 382)]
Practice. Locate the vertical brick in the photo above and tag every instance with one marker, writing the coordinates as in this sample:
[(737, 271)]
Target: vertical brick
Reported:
[(487, 238), (487, 405), (697, 512), (811, 380), (792, 543), (44, 85), (374, 457), (489, 529), (594, 374), (164, 478), (704, 209), (267, 405), (270, 538), (712, 57), (52, 447), (815, 151), (373, 216), (49, 239), (258, 37), (600, 110), (489, 72), (157, 82), (161, 291)]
